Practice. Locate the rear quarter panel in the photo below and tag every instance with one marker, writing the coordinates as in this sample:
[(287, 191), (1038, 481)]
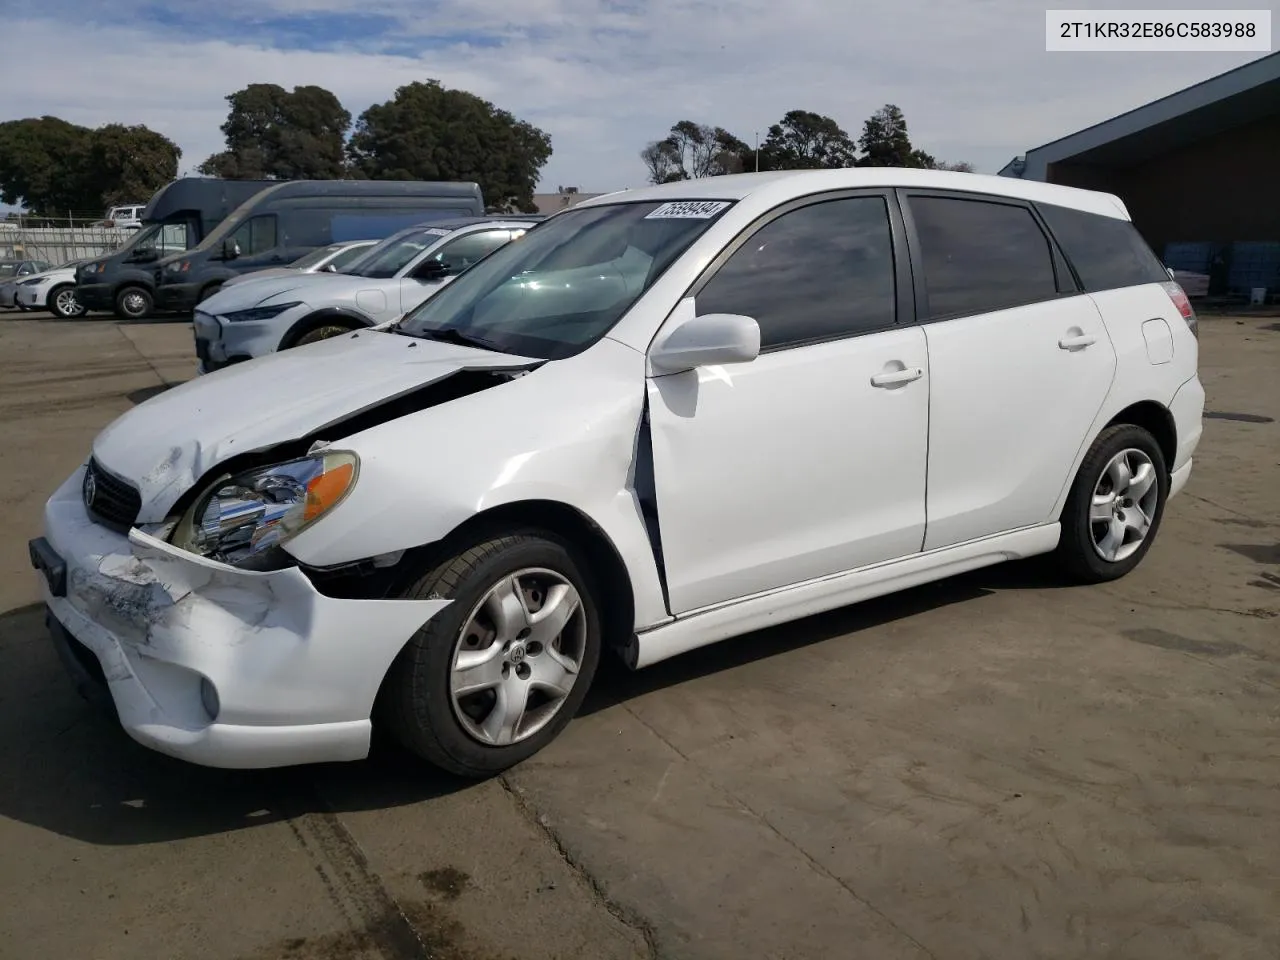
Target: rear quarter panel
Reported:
[(1156, 353)]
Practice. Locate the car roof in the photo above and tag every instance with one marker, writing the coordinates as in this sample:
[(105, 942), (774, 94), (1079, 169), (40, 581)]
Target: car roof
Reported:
[(778, 186)]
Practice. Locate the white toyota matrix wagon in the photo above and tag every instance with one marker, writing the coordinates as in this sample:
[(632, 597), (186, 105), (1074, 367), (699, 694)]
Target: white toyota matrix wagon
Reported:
[(660, 419)]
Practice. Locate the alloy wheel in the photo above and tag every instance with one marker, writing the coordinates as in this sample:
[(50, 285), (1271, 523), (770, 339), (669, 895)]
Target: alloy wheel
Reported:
[(1123, 505), (518, 657)]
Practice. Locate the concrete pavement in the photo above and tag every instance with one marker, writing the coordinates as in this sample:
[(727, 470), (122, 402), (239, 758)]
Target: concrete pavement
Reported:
[(990, 767)]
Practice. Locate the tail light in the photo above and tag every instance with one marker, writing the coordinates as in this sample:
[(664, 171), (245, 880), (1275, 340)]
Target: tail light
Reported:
[(1183, 303)]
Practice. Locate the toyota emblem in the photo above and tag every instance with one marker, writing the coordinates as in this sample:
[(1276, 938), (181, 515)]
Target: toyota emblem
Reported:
[(90, 489)]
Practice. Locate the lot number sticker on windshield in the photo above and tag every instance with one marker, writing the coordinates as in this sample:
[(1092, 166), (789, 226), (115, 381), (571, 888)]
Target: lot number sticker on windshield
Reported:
[(688, 210), (437, 232)]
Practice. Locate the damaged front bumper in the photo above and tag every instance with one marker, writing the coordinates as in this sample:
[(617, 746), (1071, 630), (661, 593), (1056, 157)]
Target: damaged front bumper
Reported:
[(212, 664)]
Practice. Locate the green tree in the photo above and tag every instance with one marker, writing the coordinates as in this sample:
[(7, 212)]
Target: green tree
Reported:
[(807, 141), (276, 134), (429, 132), (129, 164), (885, 142), (42, 163), (691, 151), (54, 167)]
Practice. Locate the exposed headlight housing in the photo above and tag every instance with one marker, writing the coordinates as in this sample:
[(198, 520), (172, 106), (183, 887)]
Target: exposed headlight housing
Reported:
[(237, 519), (260, 313)]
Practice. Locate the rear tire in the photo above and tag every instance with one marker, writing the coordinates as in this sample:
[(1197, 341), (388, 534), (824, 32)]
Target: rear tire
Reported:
[(1115, 506), (134, 303), (62, 303), (526, 681)]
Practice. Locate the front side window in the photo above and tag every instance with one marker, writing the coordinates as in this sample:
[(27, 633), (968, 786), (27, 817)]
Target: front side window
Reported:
[(172, 238), (1106, 253), (464, 252), (821, 271), (256, 235), (386, 259), (981, 256), (565, 283)]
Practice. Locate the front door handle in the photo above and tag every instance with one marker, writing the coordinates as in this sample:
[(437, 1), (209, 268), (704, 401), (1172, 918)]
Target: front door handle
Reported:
[(897, 377), (1076, 343)]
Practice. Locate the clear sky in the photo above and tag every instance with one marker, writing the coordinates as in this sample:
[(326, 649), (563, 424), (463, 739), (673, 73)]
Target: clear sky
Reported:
[(603, 77)]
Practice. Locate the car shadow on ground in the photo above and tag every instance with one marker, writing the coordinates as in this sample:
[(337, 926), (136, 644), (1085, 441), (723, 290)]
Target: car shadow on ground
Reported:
[(70, 769)]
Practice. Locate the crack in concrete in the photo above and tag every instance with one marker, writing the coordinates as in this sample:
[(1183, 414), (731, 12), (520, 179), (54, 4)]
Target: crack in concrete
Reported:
[(814, 865), (624, 915), (143, 357)]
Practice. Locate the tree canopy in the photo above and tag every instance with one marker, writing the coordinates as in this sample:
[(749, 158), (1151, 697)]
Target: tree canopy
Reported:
[(430, 132), (801, 140), (276, 134), (54, 167)]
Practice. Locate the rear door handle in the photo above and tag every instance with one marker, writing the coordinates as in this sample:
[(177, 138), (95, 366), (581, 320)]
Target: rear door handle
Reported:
[(897, 377), (1076, 343)]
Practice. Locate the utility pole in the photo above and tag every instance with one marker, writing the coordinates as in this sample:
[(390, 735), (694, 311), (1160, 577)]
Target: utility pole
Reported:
[(757, 151)]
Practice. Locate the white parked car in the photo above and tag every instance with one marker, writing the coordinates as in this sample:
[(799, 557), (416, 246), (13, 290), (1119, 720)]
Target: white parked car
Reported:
[(258, 317), (663, 418), (53, 290), (334, 258)]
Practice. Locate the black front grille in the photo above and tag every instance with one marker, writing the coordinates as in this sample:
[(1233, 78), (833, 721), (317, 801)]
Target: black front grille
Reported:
[(112, 502), (202, 350)]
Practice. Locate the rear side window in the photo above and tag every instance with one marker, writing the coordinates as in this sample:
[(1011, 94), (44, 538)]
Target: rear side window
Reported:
[(1106, 253), (980, 256)]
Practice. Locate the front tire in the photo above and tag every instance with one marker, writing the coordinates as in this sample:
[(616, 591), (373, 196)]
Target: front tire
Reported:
[(134, 303), (1115, 506), (500, 672), (63, 303), (324, 331)]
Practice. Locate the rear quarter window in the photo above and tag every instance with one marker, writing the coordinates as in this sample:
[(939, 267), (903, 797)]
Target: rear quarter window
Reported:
[(1106, 253)]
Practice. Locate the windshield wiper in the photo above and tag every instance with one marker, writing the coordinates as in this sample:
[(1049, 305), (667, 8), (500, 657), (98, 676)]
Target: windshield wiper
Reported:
[(454, 335)]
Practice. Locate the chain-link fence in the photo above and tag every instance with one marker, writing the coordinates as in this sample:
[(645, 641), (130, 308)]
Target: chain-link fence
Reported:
[(58, 240)]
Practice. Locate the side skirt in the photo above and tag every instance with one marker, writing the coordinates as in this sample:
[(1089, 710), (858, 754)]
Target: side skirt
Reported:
[(700, 628)]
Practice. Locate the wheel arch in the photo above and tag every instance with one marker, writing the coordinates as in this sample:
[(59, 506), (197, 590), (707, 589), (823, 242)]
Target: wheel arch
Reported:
[(604, 563), (1152, 415), (318, 317), (1156, 419)]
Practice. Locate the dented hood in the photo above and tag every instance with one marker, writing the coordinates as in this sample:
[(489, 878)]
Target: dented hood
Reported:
[(169, 442)]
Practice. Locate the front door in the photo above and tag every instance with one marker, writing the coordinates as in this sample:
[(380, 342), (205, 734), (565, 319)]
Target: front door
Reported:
[(1020, 366), (809, 460)]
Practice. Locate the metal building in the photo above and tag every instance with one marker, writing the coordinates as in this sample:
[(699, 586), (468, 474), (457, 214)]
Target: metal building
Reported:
[(1199, 171)]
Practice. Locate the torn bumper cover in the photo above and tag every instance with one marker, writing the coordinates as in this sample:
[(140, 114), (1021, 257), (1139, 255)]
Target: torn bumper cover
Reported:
[(215, 665)]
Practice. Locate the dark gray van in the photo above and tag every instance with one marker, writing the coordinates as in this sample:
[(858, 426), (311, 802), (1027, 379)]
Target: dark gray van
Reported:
[(293, 217), (176, 218)]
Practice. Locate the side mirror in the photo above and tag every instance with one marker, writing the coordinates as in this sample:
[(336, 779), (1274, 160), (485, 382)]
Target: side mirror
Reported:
[(434, 270), (1172, 275), (230, 249), (713, 338), (145, 256), (330, 268)]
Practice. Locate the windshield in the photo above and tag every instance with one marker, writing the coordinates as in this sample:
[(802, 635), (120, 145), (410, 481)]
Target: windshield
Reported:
[(564, 285), (316, 257), (8, 269), (392, 255)]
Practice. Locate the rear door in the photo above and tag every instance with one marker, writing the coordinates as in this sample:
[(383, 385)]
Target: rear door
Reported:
[(1019, 358)]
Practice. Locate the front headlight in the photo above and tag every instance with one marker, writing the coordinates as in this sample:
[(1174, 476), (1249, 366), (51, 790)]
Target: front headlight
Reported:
[(180, 266), (240, 517), (31, 283), (89, 269), (260, 313)]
